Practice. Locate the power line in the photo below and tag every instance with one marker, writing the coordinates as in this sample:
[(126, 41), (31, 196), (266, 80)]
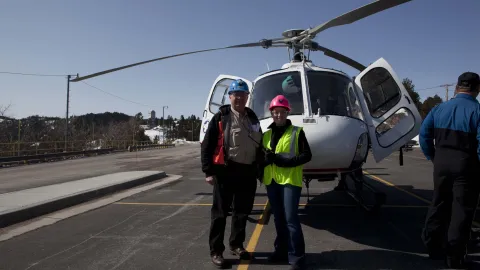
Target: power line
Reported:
[(58, 75), (116, 95), (446, 90), (433, 87), (33, 74)]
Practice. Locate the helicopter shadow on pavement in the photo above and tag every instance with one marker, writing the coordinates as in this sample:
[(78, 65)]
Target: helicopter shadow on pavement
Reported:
[(389, 239), (359, 259)]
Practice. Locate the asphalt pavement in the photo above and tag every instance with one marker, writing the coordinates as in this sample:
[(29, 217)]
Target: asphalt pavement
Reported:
[(37, 175), (167, 228)]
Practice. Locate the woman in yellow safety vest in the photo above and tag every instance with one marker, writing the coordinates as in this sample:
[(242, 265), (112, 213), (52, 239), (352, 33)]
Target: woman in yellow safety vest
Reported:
[(282, 176)]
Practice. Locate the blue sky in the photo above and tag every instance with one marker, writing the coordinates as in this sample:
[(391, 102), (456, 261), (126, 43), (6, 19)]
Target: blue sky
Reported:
[(430, 41)]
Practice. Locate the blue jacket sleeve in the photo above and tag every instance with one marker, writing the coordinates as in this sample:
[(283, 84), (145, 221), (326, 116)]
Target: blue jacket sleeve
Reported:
[(426, 136), (478, 137)]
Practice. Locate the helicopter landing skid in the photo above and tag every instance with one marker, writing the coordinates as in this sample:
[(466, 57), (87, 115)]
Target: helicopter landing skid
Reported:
[(357, 192)]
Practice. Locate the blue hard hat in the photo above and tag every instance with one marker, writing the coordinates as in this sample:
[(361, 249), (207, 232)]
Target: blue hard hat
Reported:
[(238, 85)]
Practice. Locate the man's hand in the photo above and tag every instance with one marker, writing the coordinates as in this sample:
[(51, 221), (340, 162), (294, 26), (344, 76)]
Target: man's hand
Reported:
[(281, 161), (209, 180), (269, 157)]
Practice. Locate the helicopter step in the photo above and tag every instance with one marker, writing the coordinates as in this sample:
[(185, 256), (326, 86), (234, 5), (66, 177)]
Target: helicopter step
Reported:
[(354, 184), (359, 186)]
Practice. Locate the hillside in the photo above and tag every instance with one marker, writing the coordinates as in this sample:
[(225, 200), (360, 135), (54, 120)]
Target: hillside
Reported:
[(41, 134)]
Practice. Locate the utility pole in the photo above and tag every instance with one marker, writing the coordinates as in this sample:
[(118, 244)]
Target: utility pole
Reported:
[(66, 114), (163, 121), (193, 128), (163, 114), (446, 90), (19, 127)]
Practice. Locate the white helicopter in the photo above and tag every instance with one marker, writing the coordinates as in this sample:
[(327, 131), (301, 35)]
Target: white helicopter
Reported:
[(343, 117)]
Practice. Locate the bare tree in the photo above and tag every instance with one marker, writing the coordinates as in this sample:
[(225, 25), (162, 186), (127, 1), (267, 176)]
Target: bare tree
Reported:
[(4, 109)]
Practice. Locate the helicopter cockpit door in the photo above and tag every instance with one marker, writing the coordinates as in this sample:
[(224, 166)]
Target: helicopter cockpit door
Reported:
[(218, 97), (391, 115)]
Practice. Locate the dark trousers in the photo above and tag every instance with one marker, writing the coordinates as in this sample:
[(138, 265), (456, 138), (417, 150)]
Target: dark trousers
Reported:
[(284, 200), (236, 183), (452, 210)]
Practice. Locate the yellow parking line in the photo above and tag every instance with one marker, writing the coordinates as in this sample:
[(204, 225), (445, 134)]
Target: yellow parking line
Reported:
[(394, 186), (356, 205), (252, 244), (404, 190), (262, 204), (175, 204), (165, 204)]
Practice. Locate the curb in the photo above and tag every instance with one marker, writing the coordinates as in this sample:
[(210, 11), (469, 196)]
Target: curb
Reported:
[(34, 211), (50, 219)]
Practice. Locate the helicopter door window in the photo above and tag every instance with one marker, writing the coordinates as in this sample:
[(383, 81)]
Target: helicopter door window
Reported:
[(381, 90), (399, 122), (288, 84), (329, 94), (219, 95), (354, 107)]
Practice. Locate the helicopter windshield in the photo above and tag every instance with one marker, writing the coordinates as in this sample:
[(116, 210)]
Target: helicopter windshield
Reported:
[(332, 94), (288, 84)]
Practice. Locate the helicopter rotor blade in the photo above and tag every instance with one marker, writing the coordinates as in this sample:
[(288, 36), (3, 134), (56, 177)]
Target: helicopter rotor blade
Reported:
[(340, 57), (263, 43), (355, 15)]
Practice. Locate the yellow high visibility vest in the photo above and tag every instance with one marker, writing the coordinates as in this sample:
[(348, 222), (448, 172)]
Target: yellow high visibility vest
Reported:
[(287, 146)]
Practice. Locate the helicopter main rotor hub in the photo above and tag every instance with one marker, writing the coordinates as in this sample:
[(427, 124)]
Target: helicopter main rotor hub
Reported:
[(292, 33)]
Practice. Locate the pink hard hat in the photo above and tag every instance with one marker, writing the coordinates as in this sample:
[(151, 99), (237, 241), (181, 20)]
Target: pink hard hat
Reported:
[(279, 101)]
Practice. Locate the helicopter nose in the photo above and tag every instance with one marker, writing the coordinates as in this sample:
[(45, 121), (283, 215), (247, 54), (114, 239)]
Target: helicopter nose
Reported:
[(333, 141)]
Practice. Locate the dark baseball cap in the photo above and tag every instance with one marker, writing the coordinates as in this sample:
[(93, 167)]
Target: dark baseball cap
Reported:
[(469, 79)]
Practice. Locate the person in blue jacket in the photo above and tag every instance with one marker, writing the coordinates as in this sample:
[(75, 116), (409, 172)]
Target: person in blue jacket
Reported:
[(449, 137)]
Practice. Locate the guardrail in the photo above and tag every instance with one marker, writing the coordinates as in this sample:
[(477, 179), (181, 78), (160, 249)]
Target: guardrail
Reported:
[(132, 148), (51, 156), (27, 148), (62, 155)]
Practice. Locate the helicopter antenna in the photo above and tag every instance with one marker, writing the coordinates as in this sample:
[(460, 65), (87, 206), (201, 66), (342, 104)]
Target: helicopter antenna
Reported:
[(303, 54), (268, 67)]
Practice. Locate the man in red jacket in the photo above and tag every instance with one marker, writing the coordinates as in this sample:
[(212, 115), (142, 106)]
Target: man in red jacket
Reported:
[(230, 158)]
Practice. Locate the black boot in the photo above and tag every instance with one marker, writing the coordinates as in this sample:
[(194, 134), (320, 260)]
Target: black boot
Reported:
[(241, 253), (218, 260), (340, 186), (278, 257), (454, 263), (437, 255), (299, 265)]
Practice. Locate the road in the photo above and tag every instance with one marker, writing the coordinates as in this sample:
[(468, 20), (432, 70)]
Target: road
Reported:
[(167, 228), (37, 175)]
